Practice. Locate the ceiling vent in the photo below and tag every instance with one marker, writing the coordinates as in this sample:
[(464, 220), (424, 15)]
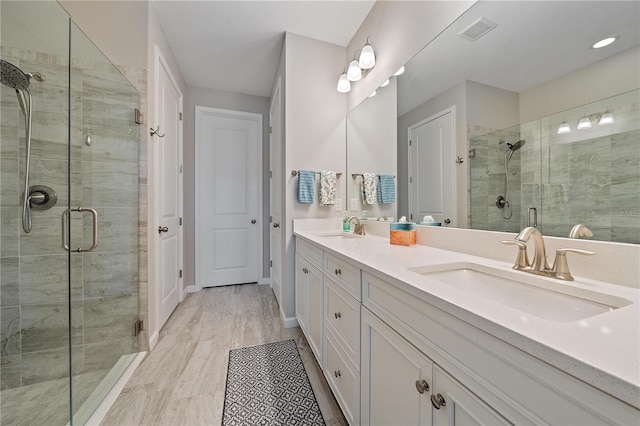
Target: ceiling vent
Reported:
[(477, 29)]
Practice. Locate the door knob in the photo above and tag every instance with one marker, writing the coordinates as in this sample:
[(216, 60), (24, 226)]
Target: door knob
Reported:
[(162, 229), (253, 221), (447, 221), (276, 225)]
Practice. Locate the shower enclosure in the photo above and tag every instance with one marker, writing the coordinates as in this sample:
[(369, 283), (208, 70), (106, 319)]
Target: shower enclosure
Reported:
[(69, 151)]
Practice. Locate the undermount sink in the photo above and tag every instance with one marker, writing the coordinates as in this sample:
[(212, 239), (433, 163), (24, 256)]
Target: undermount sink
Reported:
[(338, 234), (541, 297)]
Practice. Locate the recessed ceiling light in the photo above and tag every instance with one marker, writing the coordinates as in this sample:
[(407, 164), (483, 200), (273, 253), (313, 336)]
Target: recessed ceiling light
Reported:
[(604, 42)]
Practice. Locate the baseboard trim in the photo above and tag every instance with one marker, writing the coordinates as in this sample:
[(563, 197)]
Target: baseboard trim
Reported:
[(288, 322), (192, 289), (106, 404), (264, 281), (153, 340)]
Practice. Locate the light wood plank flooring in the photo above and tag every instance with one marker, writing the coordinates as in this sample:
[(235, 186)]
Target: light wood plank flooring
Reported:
[(182, 381)]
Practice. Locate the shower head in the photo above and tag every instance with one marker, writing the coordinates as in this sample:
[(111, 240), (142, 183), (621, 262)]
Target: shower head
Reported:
[(513, 147), (13, 76)]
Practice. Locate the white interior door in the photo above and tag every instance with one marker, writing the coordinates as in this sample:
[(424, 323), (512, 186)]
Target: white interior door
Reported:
[(431, 163), (275, 239), (169, 191), (228, 221)]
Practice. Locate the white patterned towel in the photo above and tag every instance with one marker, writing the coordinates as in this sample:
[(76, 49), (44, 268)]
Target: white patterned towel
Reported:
[(370, 188), (328, 185)]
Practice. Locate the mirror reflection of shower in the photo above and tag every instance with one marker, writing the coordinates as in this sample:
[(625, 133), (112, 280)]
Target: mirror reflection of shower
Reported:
[(502, 202), (39, 197)]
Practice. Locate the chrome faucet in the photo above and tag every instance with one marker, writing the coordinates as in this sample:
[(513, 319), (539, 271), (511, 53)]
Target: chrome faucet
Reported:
[(539, 264), (359, 227)]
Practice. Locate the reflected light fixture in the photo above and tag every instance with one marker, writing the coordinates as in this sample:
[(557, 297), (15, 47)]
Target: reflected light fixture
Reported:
[(607, 118), (354, 72), (373, 94), (386, 83), (400, 71), (344, 85), (605, 42), (367, 57), (564, 128), (584, 123)]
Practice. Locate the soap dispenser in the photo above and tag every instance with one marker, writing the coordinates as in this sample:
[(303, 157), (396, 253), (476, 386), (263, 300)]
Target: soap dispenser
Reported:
[(346, 225)]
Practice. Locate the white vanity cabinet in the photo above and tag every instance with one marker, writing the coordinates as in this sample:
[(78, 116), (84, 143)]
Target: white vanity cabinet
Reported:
[(310, 296)]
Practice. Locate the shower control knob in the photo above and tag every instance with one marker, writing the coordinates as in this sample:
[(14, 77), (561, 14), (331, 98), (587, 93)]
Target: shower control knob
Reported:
[(162, 229), (276, 225), (253, 221)]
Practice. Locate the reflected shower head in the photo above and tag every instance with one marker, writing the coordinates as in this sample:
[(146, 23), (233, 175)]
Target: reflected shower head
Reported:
[(513, 147), (13, 76)]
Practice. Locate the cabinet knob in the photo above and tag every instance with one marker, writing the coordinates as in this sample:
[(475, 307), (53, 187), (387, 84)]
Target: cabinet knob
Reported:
[(337, 373), (422, 386), (337, 315), (438, 401)]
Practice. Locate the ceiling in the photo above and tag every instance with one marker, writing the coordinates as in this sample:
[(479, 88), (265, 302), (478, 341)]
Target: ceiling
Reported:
[(235, 45), (534, 42)]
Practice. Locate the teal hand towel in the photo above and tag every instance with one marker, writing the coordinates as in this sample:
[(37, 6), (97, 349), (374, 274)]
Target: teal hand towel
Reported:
[(386, 189), (306, 186)]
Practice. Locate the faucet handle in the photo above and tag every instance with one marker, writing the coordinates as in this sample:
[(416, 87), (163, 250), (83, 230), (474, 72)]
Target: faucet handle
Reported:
[(560, 268), (522, 261)]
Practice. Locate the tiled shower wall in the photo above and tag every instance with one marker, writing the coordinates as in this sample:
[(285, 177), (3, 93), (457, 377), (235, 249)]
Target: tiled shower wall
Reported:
[(106, 176), (589, 176)]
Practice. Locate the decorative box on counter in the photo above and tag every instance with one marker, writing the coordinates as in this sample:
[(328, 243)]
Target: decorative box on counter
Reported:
[(402, 233)]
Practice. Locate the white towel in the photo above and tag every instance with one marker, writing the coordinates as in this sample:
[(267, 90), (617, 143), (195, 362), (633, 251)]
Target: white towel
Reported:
[(328, 185)]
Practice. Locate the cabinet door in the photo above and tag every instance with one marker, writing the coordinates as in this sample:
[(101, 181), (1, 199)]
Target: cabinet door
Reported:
[(316, 310), (457, 405), (392, 370), (302, 292)]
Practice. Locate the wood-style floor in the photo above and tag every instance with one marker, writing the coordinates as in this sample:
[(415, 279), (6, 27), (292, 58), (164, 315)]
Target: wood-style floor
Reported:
[(182, 381)]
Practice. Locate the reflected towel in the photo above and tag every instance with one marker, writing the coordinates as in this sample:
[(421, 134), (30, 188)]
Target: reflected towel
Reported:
[(369, 189), (328, 187), (386, 189), (306, 186)]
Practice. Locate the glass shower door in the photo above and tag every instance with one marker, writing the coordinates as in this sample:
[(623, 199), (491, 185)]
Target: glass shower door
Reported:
[(104, 179)]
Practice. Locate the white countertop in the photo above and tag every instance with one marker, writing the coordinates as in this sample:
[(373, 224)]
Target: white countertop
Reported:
[(602, 350)]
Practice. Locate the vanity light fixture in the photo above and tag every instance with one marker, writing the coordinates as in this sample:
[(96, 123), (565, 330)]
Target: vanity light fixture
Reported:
[(357, 68), (344, 85), (607, 118), (564, 128), (373, 94), (584, 123), (386, 83), (367, 57), (400, 71), (605, 42)]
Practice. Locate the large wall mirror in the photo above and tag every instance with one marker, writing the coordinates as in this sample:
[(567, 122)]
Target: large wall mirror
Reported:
[(492, 107)]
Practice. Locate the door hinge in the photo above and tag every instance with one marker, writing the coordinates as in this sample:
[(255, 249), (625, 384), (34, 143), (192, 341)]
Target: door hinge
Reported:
[(410, 180), (180, 168), (180, 116), (270, 174), (138, 326), (411, 216), (270, 219), (180, 221), (270, 129), (271, 263), (410, 142), (180, 274)]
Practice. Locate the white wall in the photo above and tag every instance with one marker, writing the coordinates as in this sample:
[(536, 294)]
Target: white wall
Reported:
[(315, 136), (371, 132), (454, 96), (198, 96), (614, 75), (491, 107), (398, 31)]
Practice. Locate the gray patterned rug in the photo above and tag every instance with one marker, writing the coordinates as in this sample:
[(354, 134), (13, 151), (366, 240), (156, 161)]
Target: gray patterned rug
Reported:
[(268, 385)]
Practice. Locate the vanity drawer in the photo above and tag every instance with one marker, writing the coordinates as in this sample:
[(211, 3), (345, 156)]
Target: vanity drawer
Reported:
[(311, 252), (344, 379), (343, 316), (343, 273)]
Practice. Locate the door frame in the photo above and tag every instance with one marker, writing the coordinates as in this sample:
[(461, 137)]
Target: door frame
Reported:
[(276, 96), (454, 144), (260, 213), (160, 61)]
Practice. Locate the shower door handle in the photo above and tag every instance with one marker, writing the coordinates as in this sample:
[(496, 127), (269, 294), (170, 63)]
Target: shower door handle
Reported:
[(65, 234)]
